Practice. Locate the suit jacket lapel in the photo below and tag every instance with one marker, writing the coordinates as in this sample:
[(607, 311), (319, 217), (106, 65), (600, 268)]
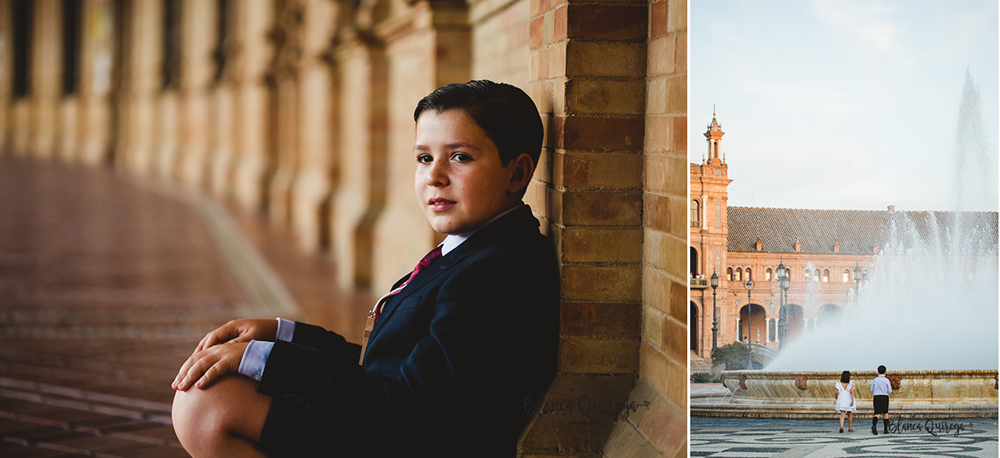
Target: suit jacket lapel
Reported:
[(517, 220), (428, 274)]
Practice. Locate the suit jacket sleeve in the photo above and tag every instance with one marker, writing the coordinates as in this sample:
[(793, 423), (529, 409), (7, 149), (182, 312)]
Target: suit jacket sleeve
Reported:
[(331, 343)]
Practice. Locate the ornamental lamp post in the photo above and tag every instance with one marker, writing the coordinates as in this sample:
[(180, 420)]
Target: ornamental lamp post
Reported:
[(783, 281), (749, 287), (715, 312), (857, 285)]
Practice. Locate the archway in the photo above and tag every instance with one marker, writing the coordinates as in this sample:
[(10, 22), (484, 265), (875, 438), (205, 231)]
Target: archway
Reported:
[(796, 321), (694, 328), (757, 324), (694, 263), (828, 314)]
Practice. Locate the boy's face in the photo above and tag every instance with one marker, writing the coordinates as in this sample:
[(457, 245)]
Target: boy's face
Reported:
[(460, 183)]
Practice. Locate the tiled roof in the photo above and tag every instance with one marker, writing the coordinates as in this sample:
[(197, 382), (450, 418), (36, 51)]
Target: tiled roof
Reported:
[(856, 231)]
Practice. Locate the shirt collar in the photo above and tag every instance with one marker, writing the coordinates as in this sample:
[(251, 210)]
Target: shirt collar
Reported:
[(453, 241)]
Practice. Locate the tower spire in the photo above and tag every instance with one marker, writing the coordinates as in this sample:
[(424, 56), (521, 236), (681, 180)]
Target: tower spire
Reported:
[(714, 137)]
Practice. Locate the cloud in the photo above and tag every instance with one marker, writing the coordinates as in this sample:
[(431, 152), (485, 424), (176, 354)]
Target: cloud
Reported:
[(870, 21)]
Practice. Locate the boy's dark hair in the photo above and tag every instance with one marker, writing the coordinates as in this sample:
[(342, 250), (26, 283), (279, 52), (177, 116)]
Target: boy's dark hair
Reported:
[(845, 377), (881, 369), (507, 115)]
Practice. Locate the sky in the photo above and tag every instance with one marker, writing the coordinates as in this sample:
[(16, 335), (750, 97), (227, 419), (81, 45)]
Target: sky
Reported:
[(848, 105)]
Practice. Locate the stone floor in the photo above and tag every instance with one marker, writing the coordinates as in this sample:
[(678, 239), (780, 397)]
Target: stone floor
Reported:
[(747, 438), (107, 283)]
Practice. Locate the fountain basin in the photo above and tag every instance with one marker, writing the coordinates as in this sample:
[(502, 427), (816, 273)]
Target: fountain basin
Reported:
[(937, 394)]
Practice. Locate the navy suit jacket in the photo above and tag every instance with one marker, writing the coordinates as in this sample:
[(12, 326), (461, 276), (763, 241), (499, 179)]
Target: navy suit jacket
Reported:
[(451, 361)]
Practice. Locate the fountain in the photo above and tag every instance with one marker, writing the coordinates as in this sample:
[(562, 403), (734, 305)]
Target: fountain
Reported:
[(928, 311)]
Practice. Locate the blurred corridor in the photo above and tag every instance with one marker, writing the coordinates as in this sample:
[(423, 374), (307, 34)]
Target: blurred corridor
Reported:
[(107, 284)]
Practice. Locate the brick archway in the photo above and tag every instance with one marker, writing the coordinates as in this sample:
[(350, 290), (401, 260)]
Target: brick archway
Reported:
[(757, 323)]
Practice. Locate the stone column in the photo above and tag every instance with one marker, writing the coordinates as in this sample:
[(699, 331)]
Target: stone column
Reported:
[(46, 76), (284, 100), (220, 160), (311, 185), (22, 25), (252, 20), (427, 46), (67, 138), (6, 77), (96, 59), (142, 54), (168, 98), (362, 123), (197, 30)]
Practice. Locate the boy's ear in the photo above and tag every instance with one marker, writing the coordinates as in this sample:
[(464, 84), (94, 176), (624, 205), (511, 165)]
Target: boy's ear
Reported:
[(524, 167)]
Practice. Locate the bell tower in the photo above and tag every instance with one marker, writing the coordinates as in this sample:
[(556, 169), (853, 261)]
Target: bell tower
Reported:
[(714, 136), (708, 235)]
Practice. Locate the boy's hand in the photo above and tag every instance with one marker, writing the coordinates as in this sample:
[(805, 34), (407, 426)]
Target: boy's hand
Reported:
[(240, 331), (207, 365)]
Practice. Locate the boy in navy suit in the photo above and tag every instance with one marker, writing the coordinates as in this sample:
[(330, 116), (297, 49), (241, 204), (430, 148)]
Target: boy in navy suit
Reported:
[(454, 349)]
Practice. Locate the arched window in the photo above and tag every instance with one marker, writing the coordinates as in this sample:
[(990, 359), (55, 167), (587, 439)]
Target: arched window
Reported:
[(816, 278), (767, 274), (808, 275), (729, 274), (749, 275), (739, 274), (695, 222), (847, 275), (826, 275)]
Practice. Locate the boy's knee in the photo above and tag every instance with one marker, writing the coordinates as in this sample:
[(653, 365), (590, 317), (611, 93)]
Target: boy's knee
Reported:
[(192, 418), (230, 406)]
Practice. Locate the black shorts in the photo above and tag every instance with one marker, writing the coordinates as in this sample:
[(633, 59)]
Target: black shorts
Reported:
[(881, 403), (293, 431)]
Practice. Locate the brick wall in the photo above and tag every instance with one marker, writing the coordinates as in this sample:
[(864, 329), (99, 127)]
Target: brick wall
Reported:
[(661, 429)]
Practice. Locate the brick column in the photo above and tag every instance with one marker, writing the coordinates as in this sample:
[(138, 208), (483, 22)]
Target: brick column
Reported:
[(427, 46), (587, 72), (663, 380)]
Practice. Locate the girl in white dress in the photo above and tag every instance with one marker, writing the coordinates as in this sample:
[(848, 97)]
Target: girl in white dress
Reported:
[(845, 400)]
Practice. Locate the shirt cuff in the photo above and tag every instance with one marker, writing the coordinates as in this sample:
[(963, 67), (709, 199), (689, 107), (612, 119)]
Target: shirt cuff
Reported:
[(255, 358), (286, 329)]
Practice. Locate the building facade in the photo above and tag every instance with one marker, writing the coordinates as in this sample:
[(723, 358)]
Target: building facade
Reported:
[(826, 254)]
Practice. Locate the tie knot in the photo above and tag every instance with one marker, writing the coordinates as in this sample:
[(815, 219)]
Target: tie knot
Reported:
[(428, 259)]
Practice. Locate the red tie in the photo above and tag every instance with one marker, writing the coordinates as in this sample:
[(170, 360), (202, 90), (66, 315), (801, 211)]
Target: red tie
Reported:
[(423, 264)]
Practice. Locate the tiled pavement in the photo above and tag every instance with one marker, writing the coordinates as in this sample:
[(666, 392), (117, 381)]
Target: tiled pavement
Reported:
[(106, 285), (747, 438)]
